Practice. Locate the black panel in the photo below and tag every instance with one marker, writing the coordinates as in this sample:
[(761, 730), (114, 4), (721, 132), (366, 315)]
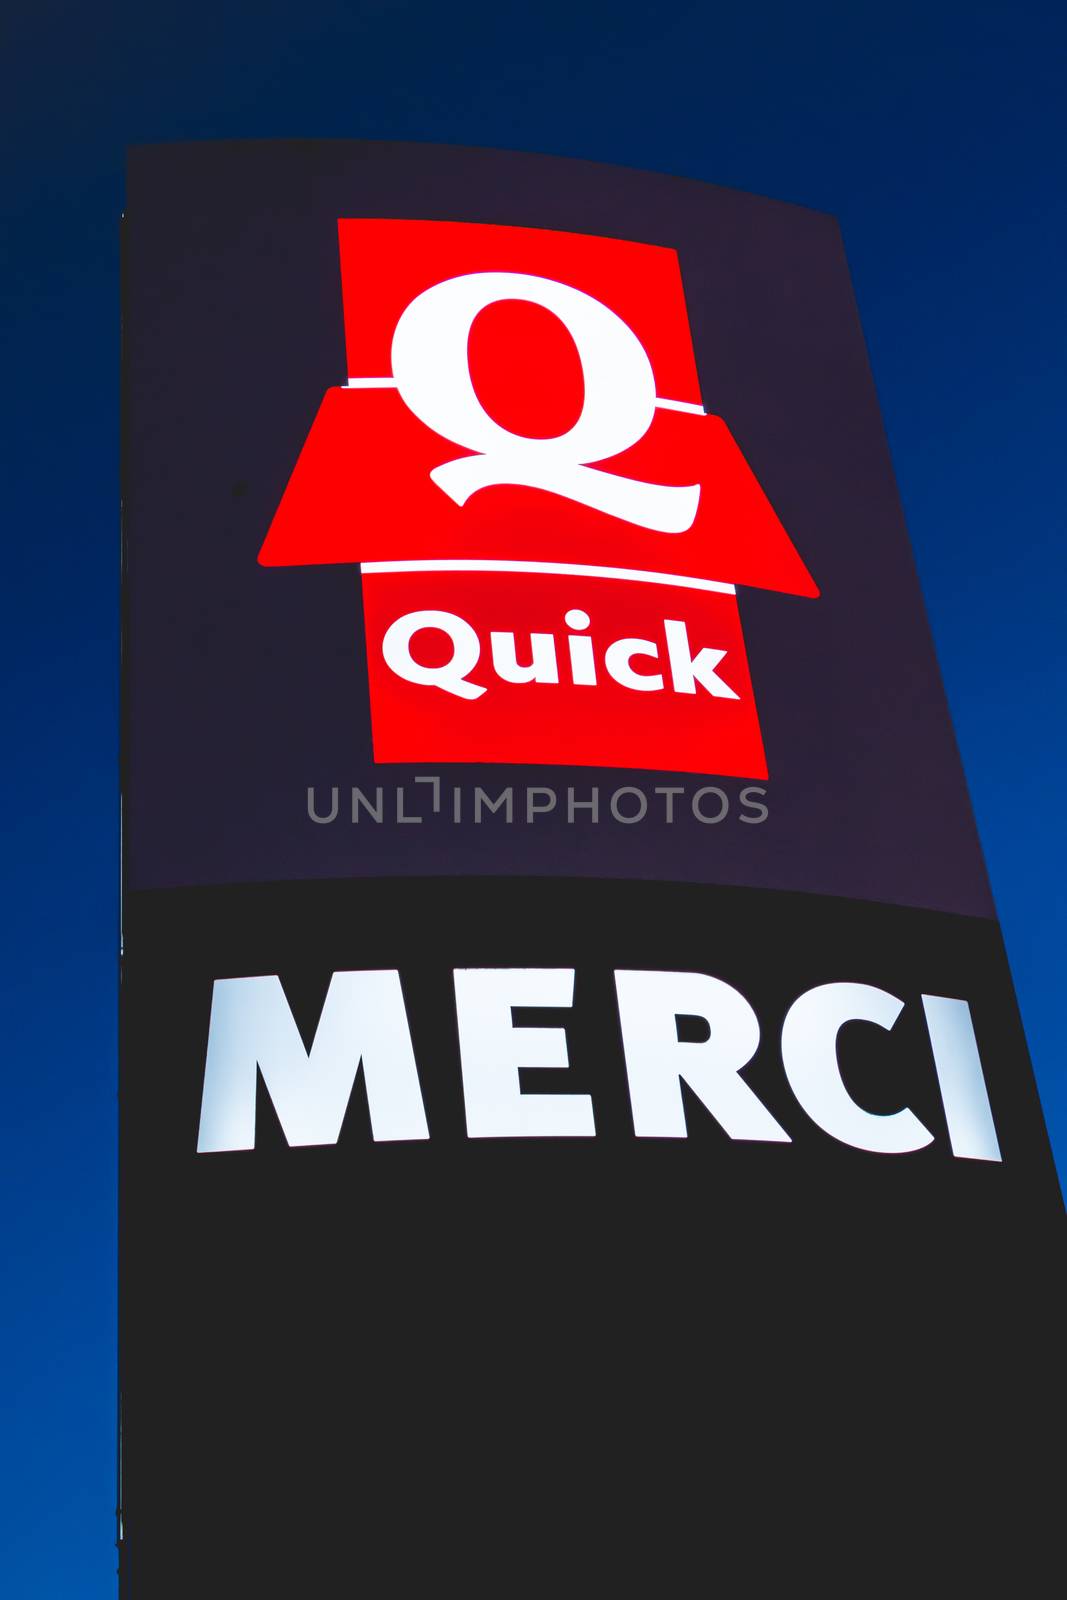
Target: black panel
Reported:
[(384, 1368)]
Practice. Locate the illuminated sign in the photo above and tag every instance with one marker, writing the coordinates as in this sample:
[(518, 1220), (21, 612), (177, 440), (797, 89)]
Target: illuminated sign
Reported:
[(497, 1138), (562, 590)]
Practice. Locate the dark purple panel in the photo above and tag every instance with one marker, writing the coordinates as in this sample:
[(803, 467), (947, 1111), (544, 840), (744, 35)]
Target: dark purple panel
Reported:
[(245, 685)]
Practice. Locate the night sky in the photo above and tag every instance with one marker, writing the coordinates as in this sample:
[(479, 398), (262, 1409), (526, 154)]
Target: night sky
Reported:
[(934, 132)]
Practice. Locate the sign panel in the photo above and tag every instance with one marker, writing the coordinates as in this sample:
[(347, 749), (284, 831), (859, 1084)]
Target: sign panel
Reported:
[(563, 1013)]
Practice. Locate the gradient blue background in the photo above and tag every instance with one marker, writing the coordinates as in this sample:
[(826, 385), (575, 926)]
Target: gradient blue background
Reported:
[(935, 132)]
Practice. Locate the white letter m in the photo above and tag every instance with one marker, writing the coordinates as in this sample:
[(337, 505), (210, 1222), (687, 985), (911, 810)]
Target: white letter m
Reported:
[(252, 1029)]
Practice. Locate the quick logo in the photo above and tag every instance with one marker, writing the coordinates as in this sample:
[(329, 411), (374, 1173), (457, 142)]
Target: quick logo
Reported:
[(521, 441)]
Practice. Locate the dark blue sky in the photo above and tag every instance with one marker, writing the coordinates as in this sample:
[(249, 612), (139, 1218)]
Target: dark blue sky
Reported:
[(934, 131)]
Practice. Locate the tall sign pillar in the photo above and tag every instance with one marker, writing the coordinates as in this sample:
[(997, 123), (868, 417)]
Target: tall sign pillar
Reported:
[(569, 1060)]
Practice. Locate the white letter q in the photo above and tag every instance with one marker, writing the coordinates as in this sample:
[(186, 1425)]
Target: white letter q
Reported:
[(452, 674), (431, 371)]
